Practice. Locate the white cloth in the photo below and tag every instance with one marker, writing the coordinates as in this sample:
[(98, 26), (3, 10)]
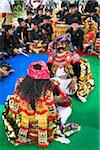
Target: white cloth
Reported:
[(60, 71), (34, 4), (64, 82), (5, 6), (64, 85), (58, 2), (64, 113)]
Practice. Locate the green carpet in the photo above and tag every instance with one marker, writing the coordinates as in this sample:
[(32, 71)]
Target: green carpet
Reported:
[(85, 114)]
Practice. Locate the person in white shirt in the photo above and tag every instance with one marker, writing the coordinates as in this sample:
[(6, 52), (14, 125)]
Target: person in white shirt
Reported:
[(6, 10), (32, 5)]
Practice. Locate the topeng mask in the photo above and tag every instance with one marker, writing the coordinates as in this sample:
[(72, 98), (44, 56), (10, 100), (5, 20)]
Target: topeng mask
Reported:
[(61, 46), (60, 43)]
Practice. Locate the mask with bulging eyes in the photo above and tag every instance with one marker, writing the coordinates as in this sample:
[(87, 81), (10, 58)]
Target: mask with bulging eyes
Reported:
[(61, 46)]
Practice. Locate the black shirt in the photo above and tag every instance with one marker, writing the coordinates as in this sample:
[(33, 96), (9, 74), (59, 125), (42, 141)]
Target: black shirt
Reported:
[(39, 19), (29, 22), (48, 28), (35, 35), (17, 34), (69, 18), (76, 38), (9, 44), (90, 6)]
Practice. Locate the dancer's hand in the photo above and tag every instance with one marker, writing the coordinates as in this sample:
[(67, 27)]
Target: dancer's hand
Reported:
[(71, 86), (63, 76)]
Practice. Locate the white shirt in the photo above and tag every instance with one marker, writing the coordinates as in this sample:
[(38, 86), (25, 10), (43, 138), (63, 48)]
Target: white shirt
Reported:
[(5, 6), (58, 2), (34, 4)]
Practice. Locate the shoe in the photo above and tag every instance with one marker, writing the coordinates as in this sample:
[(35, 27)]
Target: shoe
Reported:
[(83, 99), (63, 140), (99, 56)]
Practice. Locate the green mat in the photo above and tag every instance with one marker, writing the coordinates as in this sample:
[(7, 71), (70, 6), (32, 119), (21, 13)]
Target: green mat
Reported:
[(85, 114)]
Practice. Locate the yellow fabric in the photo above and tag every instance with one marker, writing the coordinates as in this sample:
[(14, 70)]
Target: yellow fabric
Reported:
[(25, 120), (8, 20)]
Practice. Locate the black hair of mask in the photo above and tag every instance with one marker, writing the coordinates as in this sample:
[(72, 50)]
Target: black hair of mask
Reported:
[(60, 48)]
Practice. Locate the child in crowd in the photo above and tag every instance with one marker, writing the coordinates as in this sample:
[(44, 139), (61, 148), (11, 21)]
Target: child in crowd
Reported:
[(21, 35), (9, 45), (73, 13), (29, 19), (91, 6), (61, 13), (39, 16), (37, 40), (35, 35), (76, 35), (48, 12), (46, 28)]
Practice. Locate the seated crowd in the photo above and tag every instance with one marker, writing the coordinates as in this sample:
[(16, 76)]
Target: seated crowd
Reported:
[(37, 29), (33, 34)]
